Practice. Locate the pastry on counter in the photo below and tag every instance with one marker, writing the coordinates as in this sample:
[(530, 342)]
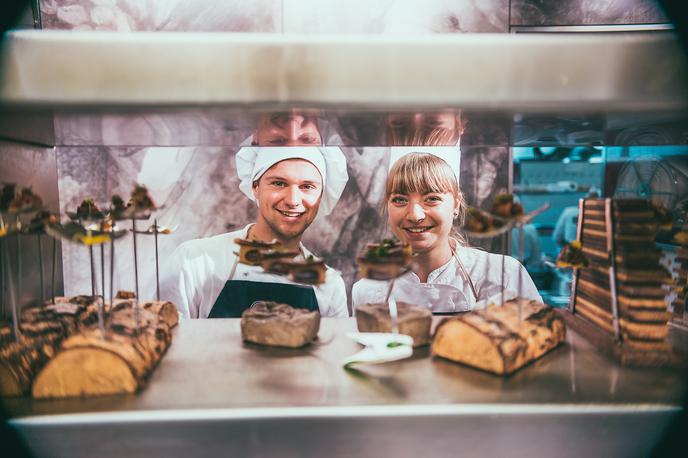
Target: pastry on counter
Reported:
[(71, 313), (412, 320), (42, 329), (384, 260), (280, 325), (21, 360), (89, 365), (495, 340), (165, 310)]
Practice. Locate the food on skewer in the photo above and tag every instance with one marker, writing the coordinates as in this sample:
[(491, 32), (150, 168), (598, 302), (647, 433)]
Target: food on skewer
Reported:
[(413, 321), (7, 195), (251, 251), (571, 255), (38, 222), (277, 261), (310, 270), (281, 325), (496, 340), (117, 206), (477, 221), (26, 201), (662, 215), (139, 206), (88, 211), (141, 200), (505, 207), (385, 260), (681, 237)]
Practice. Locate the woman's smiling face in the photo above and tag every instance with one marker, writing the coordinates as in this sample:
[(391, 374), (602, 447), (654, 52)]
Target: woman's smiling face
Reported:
[(423, 220)]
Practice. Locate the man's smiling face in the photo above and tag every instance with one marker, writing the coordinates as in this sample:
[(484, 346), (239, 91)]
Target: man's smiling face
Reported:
[(288, 197)]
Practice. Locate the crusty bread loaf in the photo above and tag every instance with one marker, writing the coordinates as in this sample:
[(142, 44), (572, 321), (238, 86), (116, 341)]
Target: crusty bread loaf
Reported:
[(495, 340)]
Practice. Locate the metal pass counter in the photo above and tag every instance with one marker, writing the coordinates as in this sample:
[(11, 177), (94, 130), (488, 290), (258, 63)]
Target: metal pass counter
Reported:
[(213, 395)]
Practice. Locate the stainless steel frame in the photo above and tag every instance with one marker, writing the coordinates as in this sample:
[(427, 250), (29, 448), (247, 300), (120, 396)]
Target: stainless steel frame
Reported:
[(213, 395)]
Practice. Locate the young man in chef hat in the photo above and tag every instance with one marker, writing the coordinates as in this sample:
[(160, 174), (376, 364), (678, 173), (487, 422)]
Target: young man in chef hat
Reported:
[(291, 186)]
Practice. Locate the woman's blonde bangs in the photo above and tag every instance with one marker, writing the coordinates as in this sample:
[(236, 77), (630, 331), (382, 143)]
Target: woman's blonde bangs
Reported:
[(421, 173)]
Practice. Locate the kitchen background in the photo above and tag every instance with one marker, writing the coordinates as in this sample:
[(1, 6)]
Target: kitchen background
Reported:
[(185, 156)]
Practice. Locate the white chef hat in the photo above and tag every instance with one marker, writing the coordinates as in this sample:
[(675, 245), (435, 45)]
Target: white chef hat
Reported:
[(253, 161), (450, 154)]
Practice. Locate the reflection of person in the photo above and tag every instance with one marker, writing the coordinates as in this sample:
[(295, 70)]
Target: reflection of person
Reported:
[(487, 170), (292, 128), (424, 129), (532, 247), (566, 229), (289, 185), (423, 200)]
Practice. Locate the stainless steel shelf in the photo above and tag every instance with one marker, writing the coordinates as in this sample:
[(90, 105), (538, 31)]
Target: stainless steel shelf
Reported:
[(214, 395), (487, 71)]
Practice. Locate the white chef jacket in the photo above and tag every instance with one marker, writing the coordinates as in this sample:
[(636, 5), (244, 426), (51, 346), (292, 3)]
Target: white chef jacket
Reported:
[(198, 269), (447, 289)]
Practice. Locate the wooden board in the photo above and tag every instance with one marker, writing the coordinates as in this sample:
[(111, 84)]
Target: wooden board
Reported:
[(623, 353)]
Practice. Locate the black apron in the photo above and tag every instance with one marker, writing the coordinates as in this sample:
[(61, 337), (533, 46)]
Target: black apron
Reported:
[(239, 295)]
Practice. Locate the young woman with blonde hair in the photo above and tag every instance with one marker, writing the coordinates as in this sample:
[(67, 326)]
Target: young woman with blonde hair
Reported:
[(423, 203)]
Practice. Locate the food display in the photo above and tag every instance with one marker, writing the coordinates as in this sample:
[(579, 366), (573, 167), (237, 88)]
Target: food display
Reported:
[(24, 202), (310, 271), (496, 340), (413, 321), (21, 360), (165, 310), (480, 222), (89, 364), (7, 195), (251, 251), (280, 325), (621, 291), (385, 260), (681, 270), (42, 329), (571, 255), (62, 352), (87, 211), (140, 199), (505, 207)]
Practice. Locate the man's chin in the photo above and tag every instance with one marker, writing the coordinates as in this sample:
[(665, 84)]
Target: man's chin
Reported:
[(291, 232)]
